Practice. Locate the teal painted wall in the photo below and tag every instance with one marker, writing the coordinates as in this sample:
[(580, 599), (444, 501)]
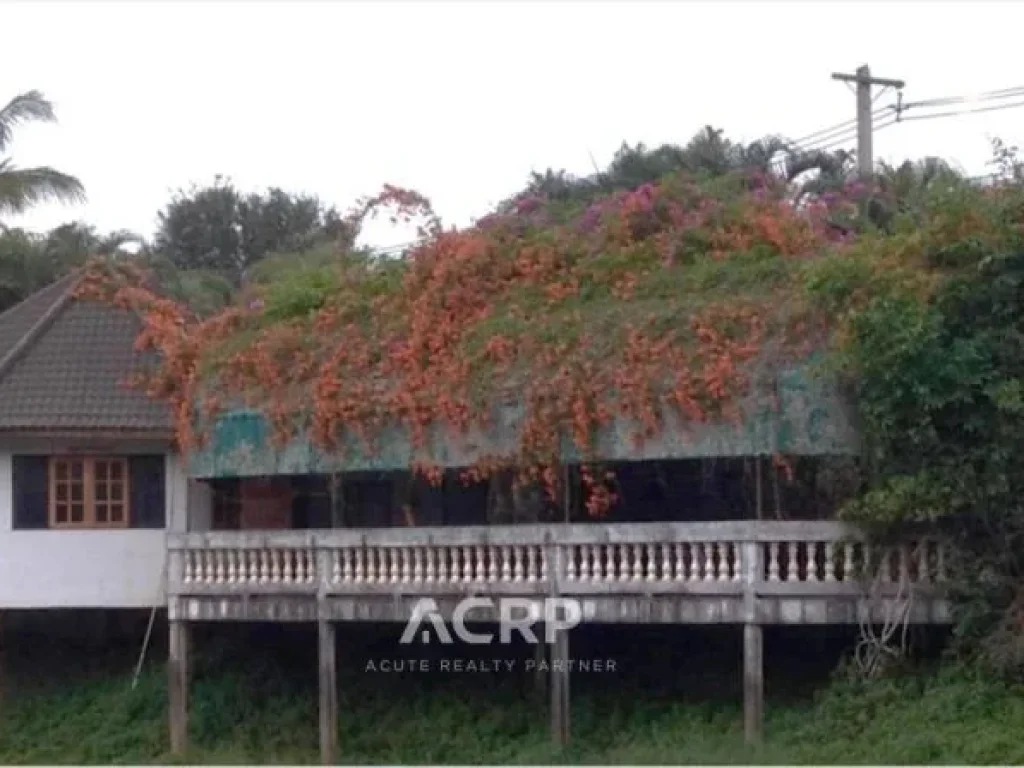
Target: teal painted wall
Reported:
[(811, 420)]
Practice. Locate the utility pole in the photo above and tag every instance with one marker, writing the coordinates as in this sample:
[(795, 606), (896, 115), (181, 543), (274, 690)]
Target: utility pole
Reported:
[(864, 81)]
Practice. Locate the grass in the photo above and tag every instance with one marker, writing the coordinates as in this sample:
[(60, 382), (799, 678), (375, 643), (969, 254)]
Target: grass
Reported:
[(674, 699)]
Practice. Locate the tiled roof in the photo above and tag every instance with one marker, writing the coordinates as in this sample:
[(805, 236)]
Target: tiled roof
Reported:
[(64, 364)]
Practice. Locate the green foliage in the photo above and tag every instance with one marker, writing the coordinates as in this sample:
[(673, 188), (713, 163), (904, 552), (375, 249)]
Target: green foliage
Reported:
[(932, 345), (259, 706)]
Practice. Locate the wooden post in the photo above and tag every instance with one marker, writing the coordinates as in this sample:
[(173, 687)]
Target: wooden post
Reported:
[(560, 688), (753, 682), (328, 693), (177, 671)]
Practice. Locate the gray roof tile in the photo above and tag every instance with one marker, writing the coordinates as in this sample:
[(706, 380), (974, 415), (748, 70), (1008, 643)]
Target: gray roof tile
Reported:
[(73, 358)]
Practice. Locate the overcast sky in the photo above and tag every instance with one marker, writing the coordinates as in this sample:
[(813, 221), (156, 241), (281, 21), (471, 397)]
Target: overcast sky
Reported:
[(461, 100)]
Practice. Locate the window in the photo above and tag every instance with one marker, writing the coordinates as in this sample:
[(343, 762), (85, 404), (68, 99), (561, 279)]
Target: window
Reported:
[(227, 505), (88, 492)]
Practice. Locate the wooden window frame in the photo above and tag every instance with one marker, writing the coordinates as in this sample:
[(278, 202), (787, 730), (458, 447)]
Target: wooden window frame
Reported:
[(89, 484)]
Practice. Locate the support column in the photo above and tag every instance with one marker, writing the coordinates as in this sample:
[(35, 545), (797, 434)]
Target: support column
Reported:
[(560, 688), (328, 693), (177, 685), (540, 679), (753, 682)]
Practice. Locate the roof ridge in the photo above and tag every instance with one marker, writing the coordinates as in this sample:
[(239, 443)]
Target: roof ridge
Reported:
[(45, 321)]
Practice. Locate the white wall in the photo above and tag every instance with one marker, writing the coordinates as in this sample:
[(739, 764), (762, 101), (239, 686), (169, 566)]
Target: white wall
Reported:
[(88, 568)]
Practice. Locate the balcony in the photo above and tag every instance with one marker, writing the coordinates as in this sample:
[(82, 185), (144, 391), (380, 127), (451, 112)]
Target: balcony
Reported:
[(763, 572)]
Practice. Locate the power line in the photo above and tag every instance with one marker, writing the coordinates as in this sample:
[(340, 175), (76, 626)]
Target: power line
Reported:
[(954, 113), (1005, 93), (827, 135)]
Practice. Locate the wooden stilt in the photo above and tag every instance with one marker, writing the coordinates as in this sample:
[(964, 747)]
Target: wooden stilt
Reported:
[(753, 682), (560, 688), (177, 670), (328, 694)]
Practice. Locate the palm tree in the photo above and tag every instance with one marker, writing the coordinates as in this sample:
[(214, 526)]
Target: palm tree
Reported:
[(22, 188)]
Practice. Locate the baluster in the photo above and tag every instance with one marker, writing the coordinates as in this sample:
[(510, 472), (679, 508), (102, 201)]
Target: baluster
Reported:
[(346, 565), (793, 566), (638, 562), (370, 564), (358, 565), (678, 562), (288, 566), (417, 565), (443, 573), (479, 564), (723, 560), (847, 572), (430, 566), (542, 557), (652, 562), (300, 566), (264, 558), (455, 566), (709, 561), (394, 560), (506, 564), (666, 573), (585, 560), (773, 561), (904, 563), (491, 553), (597, 562), (251, 561), (811, 548), (518, 564), (531, 564), (467, 564), (811, 564), (830, 565), (275, 566), (737, 561), (218, 572), (609, 562), (866, 564), (232, 566), (570, 562), (625, 569), (405, 558)]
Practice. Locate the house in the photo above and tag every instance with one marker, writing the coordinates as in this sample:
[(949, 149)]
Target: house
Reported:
[(89, 482), (98, 511)]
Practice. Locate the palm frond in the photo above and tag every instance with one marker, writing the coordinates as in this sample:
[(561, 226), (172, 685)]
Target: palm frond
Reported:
[(21, 188), (23, 108)]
